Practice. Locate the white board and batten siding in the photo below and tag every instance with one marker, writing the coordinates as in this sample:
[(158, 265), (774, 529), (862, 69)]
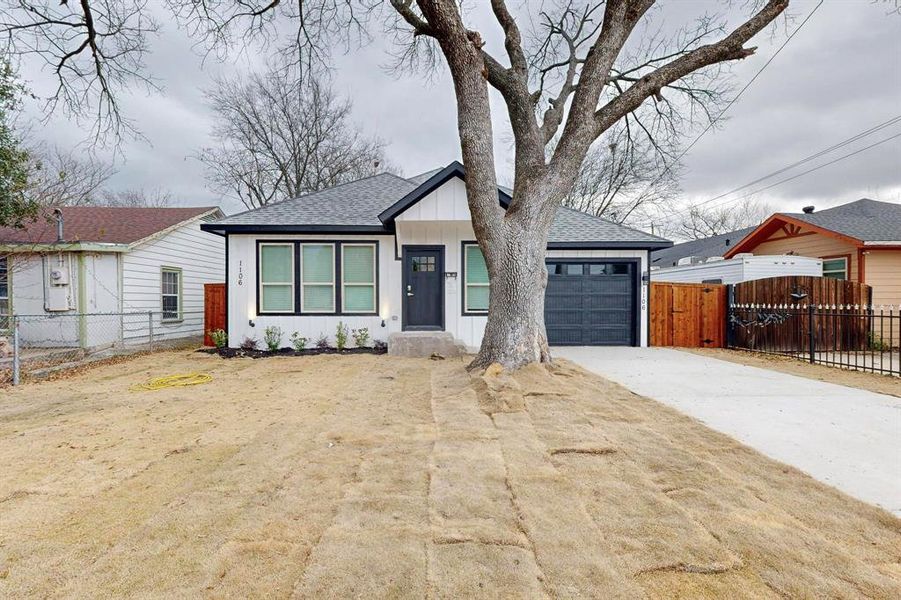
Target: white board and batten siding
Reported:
[(242, 290), (201, 258)]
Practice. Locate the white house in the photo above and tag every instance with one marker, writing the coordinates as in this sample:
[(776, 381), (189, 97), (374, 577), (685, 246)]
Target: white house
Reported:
[(393, 255), (93, 277)]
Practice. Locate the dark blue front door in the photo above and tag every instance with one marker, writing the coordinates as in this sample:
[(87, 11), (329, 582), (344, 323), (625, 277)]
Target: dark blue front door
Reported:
[(423, 288)]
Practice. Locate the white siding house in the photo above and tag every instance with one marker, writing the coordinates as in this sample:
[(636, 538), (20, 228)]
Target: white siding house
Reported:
[(98, 280), (396, 255)]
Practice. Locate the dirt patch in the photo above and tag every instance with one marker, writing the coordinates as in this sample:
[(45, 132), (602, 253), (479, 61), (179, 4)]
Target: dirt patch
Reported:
[(874, 382), (377, 476)]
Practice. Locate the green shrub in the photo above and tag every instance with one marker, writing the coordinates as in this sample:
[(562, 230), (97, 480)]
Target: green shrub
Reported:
[(219, 337), (341, 336), (272, 336), (361, 337), (298, 341)]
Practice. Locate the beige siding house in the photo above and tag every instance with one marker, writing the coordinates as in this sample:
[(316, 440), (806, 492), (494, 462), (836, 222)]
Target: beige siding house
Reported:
[(859, 241)]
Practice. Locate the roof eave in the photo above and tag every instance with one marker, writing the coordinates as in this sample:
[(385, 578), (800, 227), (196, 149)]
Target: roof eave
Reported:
[(26, 247), (224, 229), (763, 231), (603, 245)]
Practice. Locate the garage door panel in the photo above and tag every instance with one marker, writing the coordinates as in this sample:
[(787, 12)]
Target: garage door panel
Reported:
[(590, 302)]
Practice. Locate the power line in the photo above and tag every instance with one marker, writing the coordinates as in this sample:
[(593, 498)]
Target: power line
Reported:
[(787, 179), (807, 159), (735, 99)]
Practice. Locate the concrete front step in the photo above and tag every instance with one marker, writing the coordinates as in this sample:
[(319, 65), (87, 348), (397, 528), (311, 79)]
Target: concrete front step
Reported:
[(414, 344)]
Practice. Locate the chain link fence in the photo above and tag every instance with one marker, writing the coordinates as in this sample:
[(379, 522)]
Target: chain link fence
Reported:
[(34, 346)]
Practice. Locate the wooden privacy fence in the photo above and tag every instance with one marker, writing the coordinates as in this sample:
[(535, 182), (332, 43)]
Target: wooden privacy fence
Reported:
[(213, 309), (799, 313), (688, 315), (801, 290)]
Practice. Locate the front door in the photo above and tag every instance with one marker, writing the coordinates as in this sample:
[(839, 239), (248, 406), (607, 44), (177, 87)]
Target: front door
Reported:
[(423, 288)]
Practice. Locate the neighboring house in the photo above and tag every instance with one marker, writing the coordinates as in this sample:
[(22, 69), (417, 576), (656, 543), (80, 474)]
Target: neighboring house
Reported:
[(68, 270), (859, 241), (393, 254), (698, 251)]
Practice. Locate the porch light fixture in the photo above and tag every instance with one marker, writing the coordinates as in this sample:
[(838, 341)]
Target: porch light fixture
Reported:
[(251, 323)]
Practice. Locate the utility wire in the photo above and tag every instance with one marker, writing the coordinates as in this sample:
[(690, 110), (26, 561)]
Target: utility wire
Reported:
[(807, 159), (826, 164), (735, 99)]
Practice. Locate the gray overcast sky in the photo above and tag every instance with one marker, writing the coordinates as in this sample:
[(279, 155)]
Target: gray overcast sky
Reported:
[(840, 75)]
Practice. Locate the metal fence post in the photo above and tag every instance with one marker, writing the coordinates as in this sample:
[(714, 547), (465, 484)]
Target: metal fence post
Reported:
[(16, 359), (150, 329), (811, 335)]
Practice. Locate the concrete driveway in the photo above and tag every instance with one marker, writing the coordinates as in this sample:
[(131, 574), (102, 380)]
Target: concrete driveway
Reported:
[(846, 437)]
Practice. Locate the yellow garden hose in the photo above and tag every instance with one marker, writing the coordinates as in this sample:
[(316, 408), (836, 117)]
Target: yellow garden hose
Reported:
[(168, 381)]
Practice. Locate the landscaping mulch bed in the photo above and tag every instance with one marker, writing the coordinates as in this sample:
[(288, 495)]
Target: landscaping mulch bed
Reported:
[(243, 353)]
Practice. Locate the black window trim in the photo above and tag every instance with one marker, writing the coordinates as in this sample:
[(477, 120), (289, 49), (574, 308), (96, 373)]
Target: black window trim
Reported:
[(463, 311), (297, 312)]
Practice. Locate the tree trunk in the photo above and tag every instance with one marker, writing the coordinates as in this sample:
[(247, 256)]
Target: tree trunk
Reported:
[(515, 334)]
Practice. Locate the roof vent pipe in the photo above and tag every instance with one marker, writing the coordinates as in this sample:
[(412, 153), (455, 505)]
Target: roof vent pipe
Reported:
[(808, 210), (58, 213)]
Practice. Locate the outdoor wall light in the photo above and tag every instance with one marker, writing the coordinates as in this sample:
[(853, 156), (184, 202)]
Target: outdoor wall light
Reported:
[(383, 323), (251, 323)]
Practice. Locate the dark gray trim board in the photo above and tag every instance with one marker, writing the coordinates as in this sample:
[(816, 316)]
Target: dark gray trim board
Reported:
[(610, 245), (285, 229)]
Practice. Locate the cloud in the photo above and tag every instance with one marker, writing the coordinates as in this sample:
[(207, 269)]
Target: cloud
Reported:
[(840, 75)]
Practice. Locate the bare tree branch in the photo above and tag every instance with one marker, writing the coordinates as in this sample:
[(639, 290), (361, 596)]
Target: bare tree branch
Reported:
[(277, 140)]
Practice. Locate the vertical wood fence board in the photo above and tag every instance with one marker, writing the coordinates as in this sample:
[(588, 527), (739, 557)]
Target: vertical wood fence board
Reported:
[(213, 309)]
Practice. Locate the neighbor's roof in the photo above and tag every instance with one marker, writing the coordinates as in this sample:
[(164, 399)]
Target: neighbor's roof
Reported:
[(716, 245), (864, 222), (357, 205), (102, 224), (865, 219)]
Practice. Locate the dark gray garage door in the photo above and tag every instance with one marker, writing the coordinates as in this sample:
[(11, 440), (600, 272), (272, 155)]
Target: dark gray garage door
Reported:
[(591, 303)]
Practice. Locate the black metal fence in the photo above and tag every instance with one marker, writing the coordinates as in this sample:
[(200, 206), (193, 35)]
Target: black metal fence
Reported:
[(858, 337)]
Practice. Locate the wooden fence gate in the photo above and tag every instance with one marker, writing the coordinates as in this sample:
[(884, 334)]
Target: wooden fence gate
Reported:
[(688, 315), (213, 309)]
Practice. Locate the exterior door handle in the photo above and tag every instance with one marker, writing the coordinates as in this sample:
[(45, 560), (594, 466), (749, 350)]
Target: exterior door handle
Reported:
[(409, 290)]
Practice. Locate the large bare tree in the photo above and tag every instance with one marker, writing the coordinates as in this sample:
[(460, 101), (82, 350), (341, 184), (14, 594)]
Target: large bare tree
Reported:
[(624, 180), (700, 221), (65, 176), (566, 76), (277, 138), (595, 92)]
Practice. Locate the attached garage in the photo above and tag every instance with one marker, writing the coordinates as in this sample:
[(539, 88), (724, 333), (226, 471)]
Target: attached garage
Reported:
[(592, 302)]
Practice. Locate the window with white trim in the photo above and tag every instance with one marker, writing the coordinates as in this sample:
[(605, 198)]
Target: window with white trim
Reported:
[(170, 293), (317, 278), (277, 278), (4, 293), (475, 285), (358, 278), (836, 268)]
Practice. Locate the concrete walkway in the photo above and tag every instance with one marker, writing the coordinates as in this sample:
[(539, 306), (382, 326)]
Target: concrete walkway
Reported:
[(846, 437)]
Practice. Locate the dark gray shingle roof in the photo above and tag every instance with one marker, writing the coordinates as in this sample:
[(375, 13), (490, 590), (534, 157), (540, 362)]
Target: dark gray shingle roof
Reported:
[(716, 245), (865, 219), (571, 225), (359, 203), (356, 203)]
